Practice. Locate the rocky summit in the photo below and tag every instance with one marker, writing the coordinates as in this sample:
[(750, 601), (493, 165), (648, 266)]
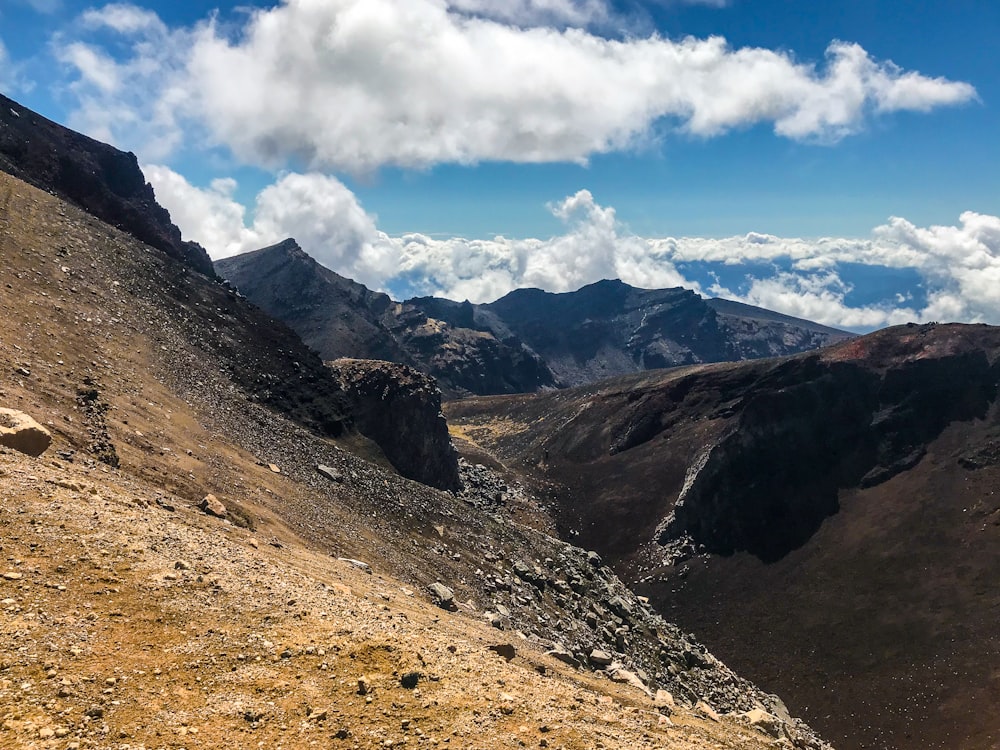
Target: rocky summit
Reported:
[(527, 341), (223, 546)]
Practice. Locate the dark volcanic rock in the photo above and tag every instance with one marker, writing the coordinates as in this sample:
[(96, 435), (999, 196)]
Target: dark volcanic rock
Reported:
[(400, 409), (341, 318), (97, 177), (860, 479)]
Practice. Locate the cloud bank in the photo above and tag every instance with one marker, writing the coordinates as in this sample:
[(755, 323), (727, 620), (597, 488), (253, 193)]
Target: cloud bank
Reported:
[(959, 266), (354, 85)]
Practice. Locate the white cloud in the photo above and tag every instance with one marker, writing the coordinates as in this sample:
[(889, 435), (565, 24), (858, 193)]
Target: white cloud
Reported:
[(124, 18), (817, 297), (959, 265), (358, 84), (538, 12)]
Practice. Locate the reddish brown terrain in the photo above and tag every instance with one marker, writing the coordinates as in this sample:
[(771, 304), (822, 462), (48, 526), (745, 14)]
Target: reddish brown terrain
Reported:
[(828, 522)]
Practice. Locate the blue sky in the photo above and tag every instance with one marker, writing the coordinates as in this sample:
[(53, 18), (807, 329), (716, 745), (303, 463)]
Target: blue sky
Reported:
[(831, 160)]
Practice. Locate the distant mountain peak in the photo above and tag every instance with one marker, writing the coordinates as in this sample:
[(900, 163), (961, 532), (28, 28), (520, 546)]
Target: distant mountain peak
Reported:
[(528, 340)]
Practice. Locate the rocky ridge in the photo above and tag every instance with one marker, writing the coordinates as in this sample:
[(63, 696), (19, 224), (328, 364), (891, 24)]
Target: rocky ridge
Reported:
[(97, 177), (527, 341)]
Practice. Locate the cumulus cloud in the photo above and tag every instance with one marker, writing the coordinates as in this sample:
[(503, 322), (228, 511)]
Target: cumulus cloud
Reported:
[(538, 12), (959, 266), (358, 84)]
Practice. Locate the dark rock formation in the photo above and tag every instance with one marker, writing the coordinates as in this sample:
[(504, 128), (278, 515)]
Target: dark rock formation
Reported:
[(341, 318), (97, 177), (527, 341), (400, 409), (827, 521), (610, 328)]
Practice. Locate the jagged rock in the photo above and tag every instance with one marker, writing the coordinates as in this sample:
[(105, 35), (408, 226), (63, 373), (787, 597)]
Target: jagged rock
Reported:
[(628, 677), (409, 680), (443, 596), (213, 506), (765, 722), (330, 473), (564, 655), (663, 700), (400, 409), (600, 658), (22, 433)]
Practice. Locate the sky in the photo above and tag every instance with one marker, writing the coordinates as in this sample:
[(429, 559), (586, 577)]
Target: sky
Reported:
[(833, 161)]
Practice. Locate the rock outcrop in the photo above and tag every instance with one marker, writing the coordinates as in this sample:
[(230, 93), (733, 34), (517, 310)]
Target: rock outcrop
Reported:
[(97, 177), (400, 409), (22, 433)]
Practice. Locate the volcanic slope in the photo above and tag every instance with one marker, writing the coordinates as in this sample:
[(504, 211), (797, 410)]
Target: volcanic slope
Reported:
[(828, 522), (130, 617), (527, 341)]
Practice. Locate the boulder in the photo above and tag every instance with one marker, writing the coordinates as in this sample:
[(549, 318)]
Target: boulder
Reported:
[(22, 433), (765, 722), (211, 505), (444, 597), (600, 658)]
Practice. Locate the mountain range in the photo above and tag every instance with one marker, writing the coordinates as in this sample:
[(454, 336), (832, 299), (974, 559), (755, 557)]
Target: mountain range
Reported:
[(529, 340)]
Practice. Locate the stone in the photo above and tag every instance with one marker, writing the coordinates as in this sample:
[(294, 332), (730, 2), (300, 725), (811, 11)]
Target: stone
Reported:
[(410, 680), (594, 559), (663, 700), (506, 650), (707, 711), (763, 721), (364, 686), (274, 468), (563, 655), (600, 658), (443, 596), (356, 563), (211, 505), (330, 473), (627, 677), (22, 433)]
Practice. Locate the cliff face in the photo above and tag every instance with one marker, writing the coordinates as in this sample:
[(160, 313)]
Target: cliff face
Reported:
[(96, 177), (827, 520), (527, 341), (400, 409)]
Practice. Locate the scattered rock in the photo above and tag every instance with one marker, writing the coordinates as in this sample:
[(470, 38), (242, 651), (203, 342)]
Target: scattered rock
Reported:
[(443, 596), (330, 473), (410, 680), (600, 658), (357, 564), (765, 722), (506, 650), (364, 686), (211, 505), (22, 433)]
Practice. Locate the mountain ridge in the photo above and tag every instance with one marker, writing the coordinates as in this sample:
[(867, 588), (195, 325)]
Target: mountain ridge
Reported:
[(526, 341)]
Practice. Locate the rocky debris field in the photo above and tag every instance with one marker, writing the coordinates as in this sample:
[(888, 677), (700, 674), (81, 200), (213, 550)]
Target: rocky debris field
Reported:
[(130, 625)]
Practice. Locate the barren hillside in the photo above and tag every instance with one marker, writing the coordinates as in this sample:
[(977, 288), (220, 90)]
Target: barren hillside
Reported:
[(134, 618)]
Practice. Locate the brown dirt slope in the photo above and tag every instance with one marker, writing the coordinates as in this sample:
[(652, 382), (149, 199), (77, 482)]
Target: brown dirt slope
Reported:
[(130, 618)]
